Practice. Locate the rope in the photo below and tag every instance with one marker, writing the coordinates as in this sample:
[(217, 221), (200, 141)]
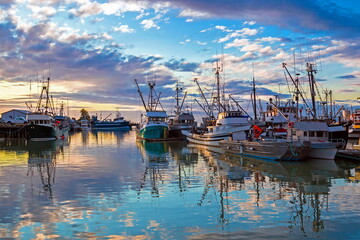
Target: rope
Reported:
[(18, 130), (292, 152)]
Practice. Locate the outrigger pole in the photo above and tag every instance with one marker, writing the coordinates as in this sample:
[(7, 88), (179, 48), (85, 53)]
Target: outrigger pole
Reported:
[(238, 105), (141, 96), (296, 84), (207, 103)]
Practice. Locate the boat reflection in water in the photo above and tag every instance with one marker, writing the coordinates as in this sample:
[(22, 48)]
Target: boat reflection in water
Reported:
[(42, 161), (302, 187), (157, 156)]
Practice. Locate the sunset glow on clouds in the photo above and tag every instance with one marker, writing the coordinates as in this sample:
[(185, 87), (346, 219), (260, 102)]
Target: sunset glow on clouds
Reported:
[(95, 49)]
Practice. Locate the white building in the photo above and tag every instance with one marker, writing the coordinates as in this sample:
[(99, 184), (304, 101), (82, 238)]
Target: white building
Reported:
[(14, 113)]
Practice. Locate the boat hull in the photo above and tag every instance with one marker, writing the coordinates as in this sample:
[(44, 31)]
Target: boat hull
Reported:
[(111, 126), (323, 150), (263, 150), (213, 139), (298, 150), (153, 132), (44, 132), (270, 150)]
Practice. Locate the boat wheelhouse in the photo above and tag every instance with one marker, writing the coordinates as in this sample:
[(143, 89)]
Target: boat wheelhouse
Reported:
[(317, 133)]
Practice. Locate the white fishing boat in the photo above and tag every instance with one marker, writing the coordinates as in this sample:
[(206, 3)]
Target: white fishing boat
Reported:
[(229, 125), (316, 132), (231, 121)]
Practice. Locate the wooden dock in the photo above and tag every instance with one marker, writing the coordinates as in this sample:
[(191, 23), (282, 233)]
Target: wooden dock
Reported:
[(13, 131)]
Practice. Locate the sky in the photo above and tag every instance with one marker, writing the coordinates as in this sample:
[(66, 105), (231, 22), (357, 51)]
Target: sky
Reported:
[(93, 50)]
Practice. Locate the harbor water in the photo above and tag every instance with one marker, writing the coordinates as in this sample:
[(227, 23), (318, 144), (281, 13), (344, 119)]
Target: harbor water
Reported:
[(107, 185)]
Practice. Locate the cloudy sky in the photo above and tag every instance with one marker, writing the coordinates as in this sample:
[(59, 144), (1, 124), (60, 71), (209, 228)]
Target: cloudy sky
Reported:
[(93, 50)]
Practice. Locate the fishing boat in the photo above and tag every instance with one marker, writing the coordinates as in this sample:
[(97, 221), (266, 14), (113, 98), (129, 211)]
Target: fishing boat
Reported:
[(267, 148), (118, 123), (231, 121), (84, 125), (354, 130), (153, 125), (182, 119), (337, 128), (316, 132), (272, 149), (229, 124), (41, 122)]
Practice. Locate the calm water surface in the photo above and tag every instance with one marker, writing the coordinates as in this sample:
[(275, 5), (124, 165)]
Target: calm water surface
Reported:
[(106, 185)]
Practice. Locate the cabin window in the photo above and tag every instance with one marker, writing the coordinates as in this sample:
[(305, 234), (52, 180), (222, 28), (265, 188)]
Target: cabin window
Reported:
[(305, 134), (311, 134), (319, 134)]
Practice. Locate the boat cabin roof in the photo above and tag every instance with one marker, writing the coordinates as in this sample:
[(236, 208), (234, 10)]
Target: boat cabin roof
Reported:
[(160, 114), (185, 116), (311, 126), (232, 114)]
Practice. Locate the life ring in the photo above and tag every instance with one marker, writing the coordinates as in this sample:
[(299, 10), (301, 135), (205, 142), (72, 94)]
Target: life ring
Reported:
[(291, 124)]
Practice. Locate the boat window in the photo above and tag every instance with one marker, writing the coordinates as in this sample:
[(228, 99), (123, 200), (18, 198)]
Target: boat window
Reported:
[(311, 134), (305, 134)]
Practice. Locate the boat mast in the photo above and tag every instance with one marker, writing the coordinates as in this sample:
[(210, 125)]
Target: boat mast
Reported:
[(310, 70), (218, 94), (151, 100), (254, 95), (177, 98), (141, 96), (331, 105), (297, 93), (47, 95)]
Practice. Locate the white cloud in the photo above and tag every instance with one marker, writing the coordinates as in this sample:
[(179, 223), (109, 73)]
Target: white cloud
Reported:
[(237, 33), (123, 29), (222, 28), (42, 13), (265, 51), (119, 7), (238, 43), (106, 36), (189, 20), (249, 23), (194, 14), (248, 31), (201, 43), (269, 39), (281, 55), (87, 9), (149, 23), (142, 15), (251, 47)]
